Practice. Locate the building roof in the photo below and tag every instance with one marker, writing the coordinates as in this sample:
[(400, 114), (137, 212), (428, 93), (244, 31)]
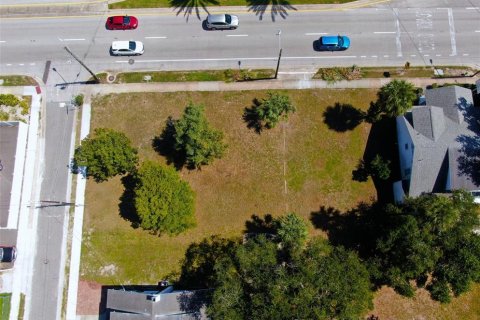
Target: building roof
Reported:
[(439, 134), (126, 305)]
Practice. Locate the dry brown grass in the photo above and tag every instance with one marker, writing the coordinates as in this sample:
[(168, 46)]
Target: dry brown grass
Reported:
[(389, 305)]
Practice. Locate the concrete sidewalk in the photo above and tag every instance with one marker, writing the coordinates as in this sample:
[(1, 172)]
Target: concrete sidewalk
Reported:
[(262, 85)]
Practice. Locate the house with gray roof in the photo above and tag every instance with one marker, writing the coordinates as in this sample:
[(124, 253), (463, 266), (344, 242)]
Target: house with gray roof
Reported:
[(439, 145), (167, 304)]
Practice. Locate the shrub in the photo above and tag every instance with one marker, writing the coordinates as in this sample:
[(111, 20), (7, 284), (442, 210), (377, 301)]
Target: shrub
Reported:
[(9, 100)]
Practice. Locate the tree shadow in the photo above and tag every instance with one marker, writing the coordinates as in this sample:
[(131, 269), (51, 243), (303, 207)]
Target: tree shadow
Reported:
[(278, 8), (198, 264), (190, 7), (126, 204), (382, 140), (164, 145), (342, 117), (256, 225), (356, 229), (250, 117)]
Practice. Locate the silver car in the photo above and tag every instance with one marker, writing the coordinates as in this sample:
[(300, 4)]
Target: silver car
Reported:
[(222, 21)]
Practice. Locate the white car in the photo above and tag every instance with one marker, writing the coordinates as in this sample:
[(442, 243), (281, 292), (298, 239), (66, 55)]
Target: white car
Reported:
[(126, 48)]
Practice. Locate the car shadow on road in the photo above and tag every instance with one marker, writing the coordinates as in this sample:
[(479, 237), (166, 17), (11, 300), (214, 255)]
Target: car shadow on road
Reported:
[(277, 8)]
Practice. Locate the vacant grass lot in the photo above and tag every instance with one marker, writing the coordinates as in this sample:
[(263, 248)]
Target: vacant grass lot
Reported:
[(208, 3), (248, 180)]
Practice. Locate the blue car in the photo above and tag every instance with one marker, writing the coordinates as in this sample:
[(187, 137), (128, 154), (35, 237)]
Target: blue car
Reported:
[(334, 43)]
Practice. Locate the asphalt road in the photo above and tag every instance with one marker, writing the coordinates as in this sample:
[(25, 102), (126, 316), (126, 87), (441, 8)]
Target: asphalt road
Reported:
[(380, 36)]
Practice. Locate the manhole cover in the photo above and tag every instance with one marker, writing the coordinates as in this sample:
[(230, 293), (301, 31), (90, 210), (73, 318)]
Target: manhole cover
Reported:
[(111, 78), (131, 61)]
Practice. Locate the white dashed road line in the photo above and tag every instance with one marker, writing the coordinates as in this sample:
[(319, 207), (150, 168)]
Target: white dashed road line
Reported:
[(397, 38), (2, 41), (237, 35), (73, 39), (384, 32), (477, 30), (452, 32), (472, 8), (315, 34), (156, 37)]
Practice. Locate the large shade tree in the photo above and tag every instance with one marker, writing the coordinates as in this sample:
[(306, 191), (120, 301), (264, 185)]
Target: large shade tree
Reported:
[(164, 203), (279, 275), (106, 153), (320, 282), (393, 99), (430, 237), (195, 139)]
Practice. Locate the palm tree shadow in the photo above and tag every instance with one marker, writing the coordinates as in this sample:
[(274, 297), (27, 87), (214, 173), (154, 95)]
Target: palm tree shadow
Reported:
[(342, 117), (189, 7), (278, 8)]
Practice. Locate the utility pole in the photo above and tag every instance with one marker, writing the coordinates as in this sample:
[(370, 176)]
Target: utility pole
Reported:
[(83, 64), (278, 63)]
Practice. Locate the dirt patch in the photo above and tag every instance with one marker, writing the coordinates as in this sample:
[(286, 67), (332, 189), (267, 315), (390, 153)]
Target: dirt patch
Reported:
[(89, 297)]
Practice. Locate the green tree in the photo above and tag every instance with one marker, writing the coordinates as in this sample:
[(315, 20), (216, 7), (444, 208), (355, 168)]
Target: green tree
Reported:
[(394, 99), (195, 139), (322, 283), (106, 153), (292, 232), (430, 236), (379, 168), (271, 110), (164, 203)]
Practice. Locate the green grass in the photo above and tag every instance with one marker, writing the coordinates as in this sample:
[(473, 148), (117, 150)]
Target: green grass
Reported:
[(5, 305), (189, 3), (18, 81), (21, 310), (228, 75), (248, 180)]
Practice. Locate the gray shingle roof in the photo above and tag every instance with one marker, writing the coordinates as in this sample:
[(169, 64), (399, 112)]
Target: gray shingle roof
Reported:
[(173, 305), (437, 141)]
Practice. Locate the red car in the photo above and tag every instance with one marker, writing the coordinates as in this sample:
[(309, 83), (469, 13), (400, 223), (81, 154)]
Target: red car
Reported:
[(122, 23)]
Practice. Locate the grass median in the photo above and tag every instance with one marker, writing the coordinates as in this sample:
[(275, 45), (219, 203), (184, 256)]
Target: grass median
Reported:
[(228, 75), (130, 4)]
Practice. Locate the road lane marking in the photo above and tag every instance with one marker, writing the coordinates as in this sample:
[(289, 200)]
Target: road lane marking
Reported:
[(9, 64), (21, 64), (413, 55), (315, 33), (2, 41), (71, 39), (384, 32), (237, 35), (374, 56), (156, 37), (397, 38), (465, 54), (426, 55), (477, 30), (438, 55), (472, 8), (236, 59), (385, 56), (363, 56), (32, 64), (452, 32)]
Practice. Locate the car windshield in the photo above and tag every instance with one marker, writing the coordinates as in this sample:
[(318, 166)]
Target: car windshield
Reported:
[(340, 41), (131, 45), (228, 18), (126, 20)]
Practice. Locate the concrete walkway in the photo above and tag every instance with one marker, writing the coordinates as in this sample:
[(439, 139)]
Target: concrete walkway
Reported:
[(263, 85)]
